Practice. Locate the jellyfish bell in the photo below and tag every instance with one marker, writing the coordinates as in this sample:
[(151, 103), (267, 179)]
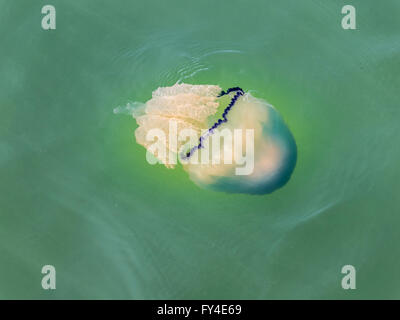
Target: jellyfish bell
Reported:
[(244, 147), (263, 163)]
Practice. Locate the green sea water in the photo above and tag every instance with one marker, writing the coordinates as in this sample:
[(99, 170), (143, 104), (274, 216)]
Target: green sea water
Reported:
[(77, 193)]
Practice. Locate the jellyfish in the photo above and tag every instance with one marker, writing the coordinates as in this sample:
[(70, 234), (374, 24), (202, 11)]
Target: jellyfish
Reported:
[(226, 141)]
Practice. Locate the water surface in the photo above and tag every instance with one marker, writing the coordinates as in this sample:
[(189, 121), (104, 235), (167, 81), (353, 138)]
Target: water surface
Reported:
[(77, 193)]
